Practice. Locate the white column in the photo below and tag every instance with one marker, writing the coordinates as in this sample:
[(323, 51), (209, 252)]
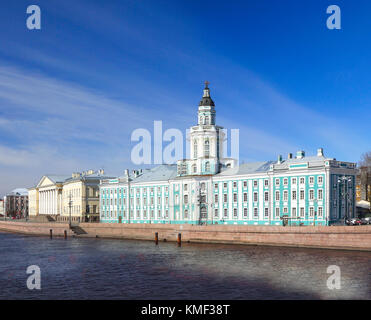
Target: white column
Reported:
[(48, 202), (42, 202)]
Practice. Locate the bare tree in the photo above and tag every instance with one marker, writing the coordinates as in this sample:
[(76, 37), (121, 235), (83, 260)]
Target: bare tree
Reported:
[(365, 160), (365, 175)]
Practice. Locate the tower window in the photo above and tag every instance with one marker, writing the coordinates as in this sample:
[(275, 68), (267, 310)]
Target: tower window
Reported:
[(207, 148), (207, 166), (207, 120)]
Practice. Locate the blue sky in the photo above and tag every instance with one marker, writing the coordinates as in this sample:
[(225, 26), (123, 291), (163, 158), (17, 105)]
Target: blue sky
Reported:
[(72, 93)]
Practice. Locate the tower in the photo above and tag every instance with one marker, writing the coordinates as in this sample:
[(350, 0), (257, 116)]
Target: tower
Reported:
[(206, 140)]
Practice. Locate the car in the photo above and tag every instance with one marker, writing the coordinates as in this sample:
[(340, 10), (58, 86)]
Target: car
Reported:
[(366, 220), (353, 222)]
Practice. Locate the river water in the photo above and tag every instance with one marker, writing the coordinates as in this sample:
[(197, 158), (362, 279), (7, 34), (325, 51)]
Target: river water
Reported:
[(122, 269)]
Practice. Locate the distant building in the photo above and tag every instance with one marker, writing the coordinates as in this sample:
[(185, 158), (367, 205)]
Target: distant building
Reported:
[(16, 203), (210, 189), (2, 207), (56, 196)]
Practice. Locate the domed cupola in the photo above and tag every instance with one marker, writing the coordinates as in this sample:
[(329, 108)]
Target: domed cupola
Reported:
[(206, 99)]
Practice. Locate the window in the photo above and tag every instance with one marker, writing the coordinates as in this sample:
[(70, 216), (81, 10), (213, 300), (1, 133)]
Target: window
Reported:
[(311, 180), (216, 213), (203, 186), (301, 194), (293, 180), (266, 182), (216, 198), (185, 187), (194, 168), (245, 184), (285, 195), (266, 196), (294, 195), (186, 199), (225, 213), (302, 212), (255, 183), (285, 210), (207, 166), (186, 214), (225, 185), (293, 212), (311, 194), (277, 212), (285, 181), (266, 212), (216, 186), (302, 180), (195, 149), (320, 180), (311, 211), (167, 214), (255, 196), (255, 212), (225, 197), (245, 212), (144, 214), (206, 146), (151, 201), (320, 194), (277, 196), (277, 182), (206, 119), (176, 199), (245, 197), (235, 213), (320, 211), (234, 197)]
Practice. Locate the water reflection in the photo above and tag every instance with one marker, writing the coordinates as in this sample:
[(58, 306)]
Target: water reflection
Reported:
[(115, 269)]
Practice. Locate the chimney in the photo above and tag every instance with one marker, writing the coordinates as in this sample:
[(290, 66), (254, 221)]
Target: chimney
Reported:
[(289, 156), (279, 160), (320, 152), (300, 154)]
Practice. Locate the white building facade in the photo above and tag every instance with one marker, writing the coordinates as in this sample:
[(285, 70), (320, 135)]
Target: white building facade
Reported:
[(210, 189)]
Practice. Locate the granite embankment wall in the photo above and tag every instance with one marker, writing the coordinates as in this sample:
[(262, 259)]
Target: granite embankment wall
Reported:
[(333, 237)]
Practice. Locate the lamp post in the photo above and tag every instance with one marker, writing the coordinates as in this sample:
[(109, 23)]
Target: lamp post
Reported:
[(343, 181)]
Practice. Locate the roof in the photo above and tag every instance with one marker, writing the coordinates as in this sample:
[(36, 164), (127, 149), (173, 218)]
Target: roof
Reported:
[(160, 173), (88, 177), (247, 168), (19, 191), (57, 178)]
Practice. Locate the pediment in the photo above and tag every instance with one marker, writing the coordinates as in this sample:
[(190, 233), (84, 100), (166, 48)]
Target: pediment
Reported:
[(45, 181)]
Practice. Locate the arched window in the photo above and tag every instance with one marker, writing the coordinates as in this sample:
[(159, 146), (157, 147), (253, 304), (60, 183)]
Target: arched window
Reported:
[(195, 149), (201, 120), (207, 120), (194, 168), (207, 166), (207, 148)]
